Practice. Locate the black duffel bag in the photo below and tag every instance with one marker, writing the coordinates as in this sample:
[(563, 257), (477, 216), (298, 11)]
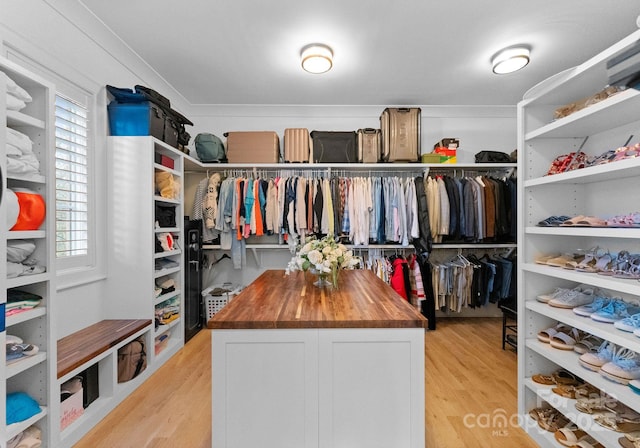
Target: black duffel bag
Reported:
[(492, 157)]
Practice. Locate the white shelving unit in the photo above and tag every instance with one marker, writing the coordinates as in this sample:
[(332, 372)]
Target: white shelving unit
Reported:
[(132, 273), (33, 375), (603, 190)]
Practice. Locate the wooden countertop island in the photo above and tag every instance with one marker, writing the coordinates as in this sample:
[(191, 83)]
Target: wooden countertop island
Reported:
[(277, 300), (298, 366)]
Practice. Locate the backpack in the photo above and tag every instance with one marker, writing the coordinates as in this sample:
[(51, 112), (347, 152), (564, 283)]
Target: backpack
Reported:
[(210, 148), (132, 360)]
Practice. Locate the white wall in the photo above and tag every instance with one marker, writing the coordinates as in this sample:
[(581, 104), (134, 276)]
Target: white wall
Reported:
[(62, 37)]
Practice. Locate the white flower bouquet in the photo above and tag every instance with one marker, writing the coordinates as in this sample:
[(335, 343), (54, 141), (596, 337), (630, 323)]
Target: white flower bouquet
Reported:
[(324, 257)]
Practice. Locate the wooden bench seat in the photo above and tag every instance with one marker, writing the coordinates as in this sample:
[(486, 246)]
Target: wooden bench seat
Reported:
[(84, 345)]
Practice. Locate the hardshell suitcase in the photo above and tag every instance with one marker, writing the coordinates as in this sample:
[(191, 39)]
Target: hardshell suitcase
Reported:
[(334, 147), (369, 145), (253, 147), (400, 134), (296, 145)]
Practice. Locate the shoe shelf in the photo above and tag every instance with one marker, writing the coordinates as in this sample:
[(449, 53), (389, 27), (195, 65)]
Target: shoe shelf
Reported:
[(566, 406), (569, 361), (601, 190), (593, 174), (612, 112), (627, 286), (600, 232), (600, 329)]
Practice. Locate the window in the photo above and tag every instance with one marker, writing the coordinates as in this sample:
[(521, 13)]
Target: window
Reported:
[(72, 214)]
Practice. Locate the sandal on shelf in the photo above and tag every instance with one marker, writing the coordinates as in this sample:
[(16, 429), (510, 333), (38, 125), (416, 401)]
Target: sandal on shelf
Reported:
[(590, 260), (576, 392), (603, 263), (546, 335), (619, 263), (632, 269), (553, 221), (617, 423), (566, 340), (565, 261), (630, 220), (549, 419), (569, 436), (559, 377), (588, 442), (572, 221), (542, 259), (627, 443), (591, 221), (596, 405), (630, 440), (588, 344)]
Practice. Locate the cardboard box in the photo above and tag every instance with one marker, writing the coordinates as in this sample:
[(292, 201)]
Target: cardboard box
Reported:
[(71, 409)]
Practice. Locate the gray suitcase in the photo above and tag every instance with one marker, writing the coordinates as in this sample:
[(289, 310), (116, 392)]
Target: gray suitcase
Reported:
[(400, 128), (369, 145)]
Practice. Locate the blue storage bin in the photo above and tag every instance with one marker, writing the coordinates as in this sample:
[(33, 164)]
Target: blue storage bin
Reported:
[(136, 119)]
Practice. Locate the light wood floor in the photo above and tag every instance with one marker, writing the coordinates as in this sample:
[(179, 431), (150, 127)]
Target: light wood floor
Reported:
[(468, 380)]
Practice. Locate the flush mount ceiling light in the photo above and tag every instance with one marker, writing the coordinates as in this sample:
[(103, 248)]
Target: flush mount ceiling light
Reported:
[(510, 60), (317, 58)]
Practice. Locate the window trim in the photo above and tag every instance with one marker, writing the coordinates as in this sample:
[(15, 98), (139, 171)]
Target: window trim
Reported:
[(88, 259)]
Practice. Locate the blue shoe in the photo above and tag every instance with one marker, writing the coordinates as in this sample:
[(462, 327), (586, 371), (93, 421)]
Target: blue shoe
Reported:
[(630, 324), (587, 310), (616, 310)]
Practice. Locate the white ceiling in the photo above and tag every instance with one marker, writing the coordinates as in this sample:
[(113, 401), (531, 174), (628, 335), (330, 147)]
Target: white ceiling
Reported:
[(386, 52)]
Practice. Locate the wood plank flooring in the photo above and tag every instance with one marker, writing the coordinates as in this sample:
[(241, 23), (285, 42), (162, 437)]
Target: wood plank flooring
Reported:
[(469, 379)]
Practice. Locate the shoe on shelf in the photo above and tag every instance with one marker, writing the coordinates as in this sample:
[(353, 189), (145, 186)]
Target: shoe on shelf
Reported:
[(594, 361), (553, 221), (617, 423), (573, 298), (566, 261), (617, 263), (597, 304), (630, 324), (560, 377), (542, 259), (566, 340), (623, 367), (545, 298), (631, 269), (546, 335), (588, 344), (616, 310), (569, 436)]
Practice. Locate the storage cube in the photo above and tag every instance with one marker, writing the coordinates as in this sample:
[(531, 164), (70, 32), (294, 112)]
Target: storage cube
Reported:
[(133, 119)]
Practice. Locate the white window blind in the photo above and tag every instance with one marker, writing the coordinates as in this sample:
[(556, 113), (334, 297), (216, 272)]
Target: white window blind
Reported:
[(72, 214)]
